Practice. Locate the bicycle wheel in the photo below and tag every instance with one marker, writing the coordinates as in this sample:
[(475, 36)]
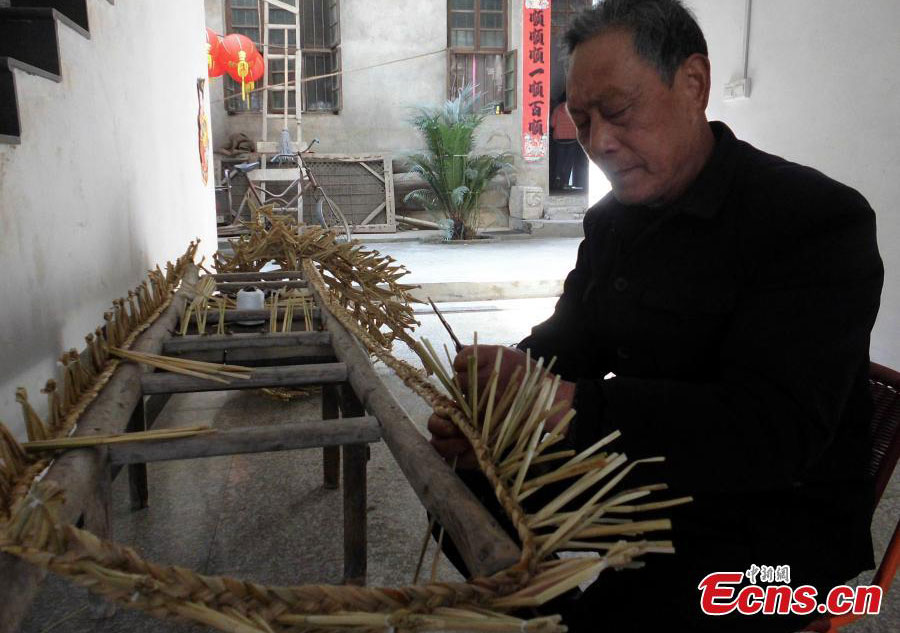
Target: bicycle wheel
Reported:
[(329, 216)]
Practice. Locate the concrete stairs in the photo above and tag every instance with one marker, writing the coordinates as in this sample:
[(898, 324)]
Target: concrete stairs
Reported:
[(29, 43), (562, 216)]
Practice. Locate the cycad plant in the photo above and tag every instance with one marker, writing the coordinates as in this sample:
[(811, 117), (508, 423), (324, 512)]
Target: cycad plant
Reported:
[(456, 176)]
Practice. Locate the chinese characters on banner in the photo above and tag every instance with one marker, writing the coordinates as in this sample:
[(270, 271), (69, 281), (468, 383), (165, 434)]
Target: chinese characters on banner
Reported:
[(536, 80)]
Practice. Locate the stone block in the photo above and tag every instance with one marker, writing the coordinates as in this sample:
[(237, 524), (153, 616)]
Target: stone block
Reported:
[(526, 203)]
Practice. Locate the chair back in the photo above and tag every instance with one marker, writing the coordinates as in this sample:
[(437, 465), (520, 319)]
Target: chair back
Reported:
[(884, 384)]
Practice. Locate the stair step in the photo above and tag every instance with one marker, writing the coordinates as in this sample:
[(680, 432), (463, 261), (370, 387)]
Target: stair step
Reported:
[(557, 200), (568, 213), (75, 10), (10, 128), (549, 228), (30, 35)]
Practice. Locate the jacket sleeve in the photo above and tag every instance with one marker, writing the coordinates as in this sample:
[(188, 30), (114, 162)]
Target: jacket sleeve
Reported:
[(792, 355)]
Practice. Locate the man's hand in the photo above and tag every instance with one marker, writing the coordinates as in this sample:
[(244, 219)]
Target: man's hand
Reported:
[(446, 438), (450, 443)]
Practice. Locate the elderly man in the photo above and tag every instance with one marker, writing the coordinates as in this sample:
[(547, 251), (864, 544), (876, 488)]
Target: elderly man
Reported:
[(732, 294)]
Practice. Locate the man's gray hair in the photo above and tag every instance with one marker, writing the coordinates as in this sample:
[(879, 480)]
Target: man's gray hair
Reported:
[(665, 32)]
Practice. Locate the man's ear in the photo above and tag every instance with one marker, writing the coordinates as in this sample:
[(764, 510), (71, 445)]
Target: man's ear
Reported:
[(693, 80)]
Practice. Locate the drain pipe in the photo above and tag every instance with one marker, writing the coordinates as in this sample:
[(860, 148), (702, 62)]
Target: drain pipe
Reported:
[(740, 88)]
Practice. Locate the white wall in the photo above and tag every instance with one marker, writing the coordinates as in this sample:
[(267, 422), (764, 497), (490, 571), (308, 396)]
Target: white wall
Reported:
[(105, 183), (826, 93)]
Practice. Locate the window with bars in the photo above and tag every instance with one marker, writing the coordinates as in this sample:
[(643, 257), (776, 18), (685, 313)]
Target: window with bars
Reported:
[(319, 36), (477, 25), (477, 39), (563, 11), (242, 16), (320, 40), (510, 72)]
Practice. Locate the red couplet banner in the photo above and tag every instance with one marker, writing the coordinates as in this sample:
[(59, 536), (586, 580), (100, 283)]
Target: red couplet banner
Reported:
[(536, 80)]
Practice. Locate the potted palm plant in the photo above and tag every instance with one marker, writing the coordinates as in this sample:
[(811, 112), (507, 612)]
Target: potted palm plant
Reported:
[(455, 175)]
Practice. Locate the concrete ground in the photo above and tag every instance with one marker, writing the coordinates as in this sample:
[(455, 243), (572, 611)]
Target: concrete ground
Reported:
[(501, 260), (267, 517)]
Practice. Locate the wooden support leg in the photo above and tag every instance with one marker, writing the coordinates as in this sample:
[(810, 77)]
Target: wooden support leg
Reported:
[(355, 496), (355, 544), (153, 406), (142, 418), (138, 492), (331, 455), (351, 407), (98, 519)]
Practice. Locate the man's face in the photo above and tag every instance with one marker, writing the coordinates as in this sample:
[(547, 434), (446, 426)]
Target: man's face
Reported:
[(638, 130)]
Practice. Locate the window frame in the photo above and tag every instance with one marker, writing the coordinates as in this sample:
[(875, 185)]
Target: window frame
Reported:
[(231, 100), (561, 16), (510, 80), (477, 28), (333, 48), (481, 51), (288, 53)]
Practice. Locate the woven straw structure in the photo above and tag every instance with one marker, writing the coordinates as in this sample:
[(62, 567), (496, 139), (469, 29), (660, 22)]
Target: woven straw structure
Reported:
[(362, 290)]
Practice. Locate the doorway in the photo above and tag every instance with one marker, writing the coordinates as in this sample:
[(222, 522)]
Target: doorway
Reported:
[(568, 164)]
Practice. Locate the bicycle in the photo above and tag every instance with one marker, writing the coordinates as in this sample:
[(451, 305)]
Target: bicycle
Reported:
[(304, 183)]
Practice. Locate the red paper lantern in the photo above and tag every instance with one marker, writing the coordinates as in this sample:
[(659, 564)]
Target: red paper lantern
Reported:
[(239, 53), (257, 70), (215, 59)]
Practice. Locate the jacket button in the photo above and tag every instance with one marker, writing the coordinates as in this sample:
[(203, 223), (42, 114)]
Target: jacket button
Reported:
[(620, 284), (623, 353)]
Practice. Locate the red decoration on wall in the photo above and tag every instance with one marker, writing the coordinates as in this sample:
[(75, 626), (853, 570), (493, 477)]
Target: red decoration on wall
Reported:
[(215, 54), (536, 80), (240, 53), (203, 130)]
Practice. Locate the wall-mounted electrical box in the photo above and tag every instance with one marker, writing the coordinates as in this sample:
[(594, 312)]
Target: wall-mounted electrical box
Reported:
[(738, 89)]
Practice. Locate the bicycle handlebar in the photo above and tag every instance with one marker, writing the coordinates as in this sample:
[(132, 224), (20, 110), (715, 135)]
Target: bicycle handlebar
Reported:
[(277, 158), (311, 143)]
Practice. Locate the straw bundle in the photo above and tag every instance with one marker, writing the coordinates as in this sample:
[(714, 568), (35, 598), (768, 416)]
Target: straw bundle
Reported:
[(217, 372), (366, 283), (198, 307)]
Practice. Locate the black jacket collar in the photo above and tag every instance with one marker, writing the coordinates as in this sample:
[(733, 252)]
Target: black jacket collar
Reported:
[(705, 196)]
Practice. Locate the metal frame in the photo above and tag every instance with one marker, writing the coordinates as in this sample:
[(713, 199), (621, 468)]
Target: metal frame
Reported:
[(387, 180)]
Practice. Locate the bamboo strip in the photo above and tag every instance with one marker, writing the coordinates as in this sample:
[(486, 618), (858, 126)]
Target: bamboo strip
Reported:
[(511, 466), (473, 385), (220, 326), (583, 484), (492, 392), (526, 463), (632, 528), (66, 443), (649, 547), (273, 313), (197, 369), (650, 507), (565, 472), (188, 363)]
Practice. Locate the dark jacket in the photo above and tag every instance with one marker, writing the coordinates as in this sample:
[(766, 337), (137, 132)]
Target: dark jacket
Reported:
[(737, 324)]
